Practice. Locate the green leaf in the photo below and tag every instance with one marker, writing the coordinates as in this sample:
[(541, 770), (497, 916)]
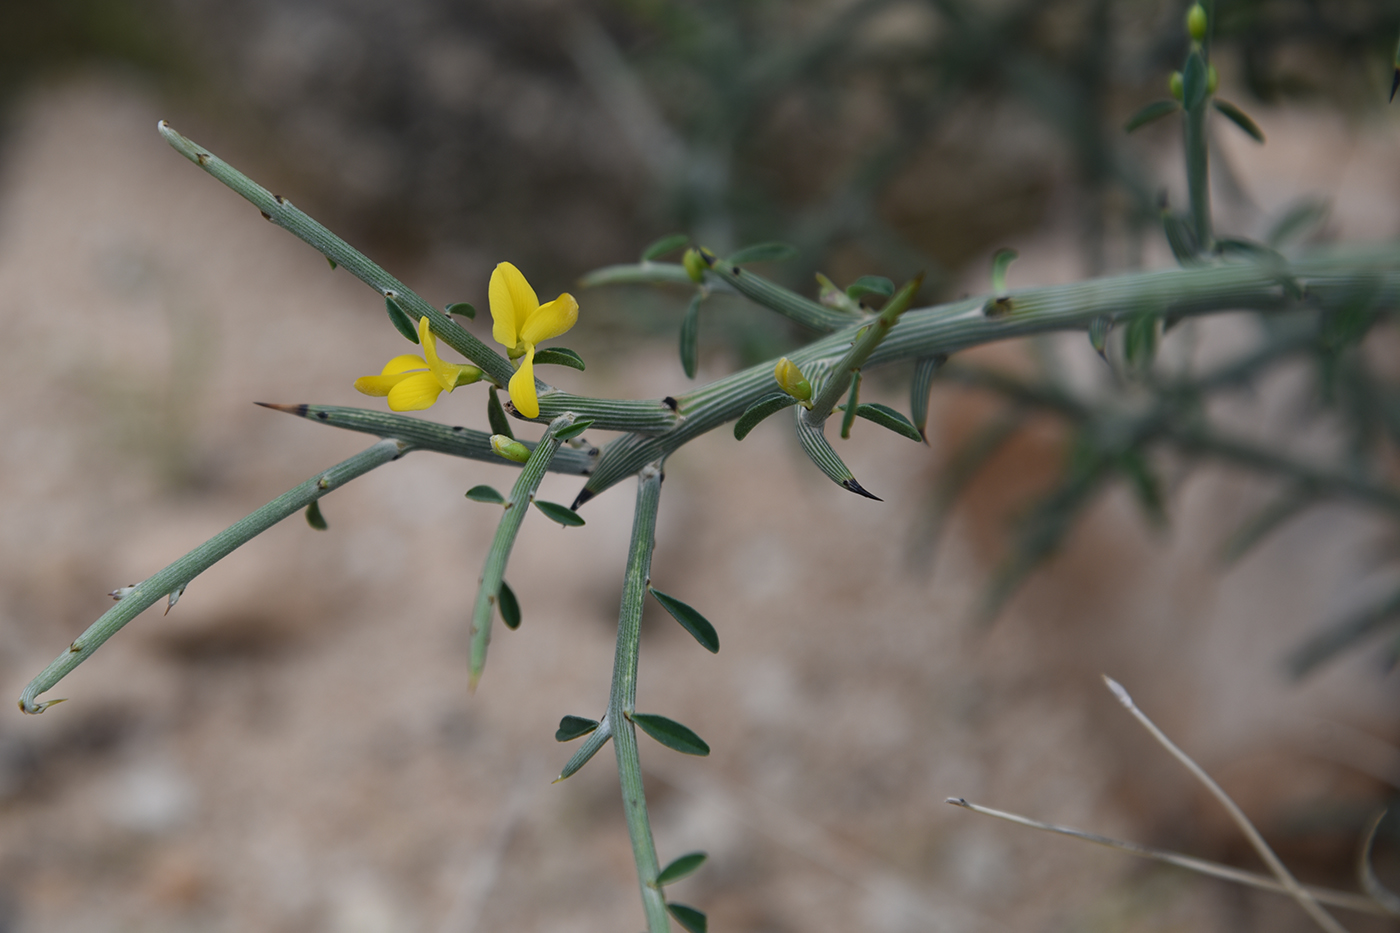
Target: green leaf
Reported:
[(1000, 263), (399, 318), (690, 335), (332, 262), (692, 621), (587, 750), (762, 252), (671, 734), (693, 920), (485, 494), (768, 405), (314, 518), (560, 513), (559, 356), (664, 245), (1239, 118), (1152, 112), (510, 606), (1194, 81), (1181, 238), (681, 867), (920, 387), (1140, 340), (574, 727), (887, 417), (870, 285), (462, 309), (574, 430), (1098, 335), (496, 415)]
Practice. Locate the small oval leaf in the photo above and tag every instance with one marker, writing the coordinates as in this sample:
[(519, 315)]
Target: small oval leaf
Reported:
[(671, 734), (560, 513), (664, 245), (681, 867), (574, 430), (559, 356), (690, 336), (887, 417), (496, 415), (1239, 118), (314, 518), (400, 319), (1151, 113), (762, 252), (574, 727), (693, 920), (768, 405), (462, 309), (510, 606), (692, 621), (870, 285), (485, 494)]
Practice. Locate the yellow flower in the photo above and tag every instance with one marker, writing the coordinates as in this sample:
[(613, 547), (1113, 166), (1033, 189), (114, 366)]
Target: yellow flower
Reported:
[(413, 383), (520, 322)]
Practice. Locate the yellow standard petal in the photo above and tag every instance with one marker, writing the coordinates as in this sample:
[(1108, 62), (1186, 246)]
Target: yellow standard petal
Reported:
[(550, 320), (522, 386), (415, 392), (512, 302)]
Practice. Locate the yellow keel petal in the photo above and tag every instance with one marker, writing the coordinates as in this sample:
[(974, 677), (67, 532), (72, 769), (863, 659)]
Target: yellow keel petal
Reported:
[(522, 387)]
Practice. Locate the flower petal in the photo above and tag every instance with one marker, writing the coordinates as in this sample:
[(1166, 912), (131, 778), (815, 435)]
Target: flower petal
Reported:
[(444, 373), (522, 386), (379, 386), (550, 320), (408, 362), (512, 302), (415, 392)]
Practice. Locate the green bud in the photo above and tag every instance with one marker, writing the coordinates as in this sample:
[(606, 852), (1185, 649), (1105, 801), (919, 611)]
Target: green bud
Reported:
[(695, 265), (791, 380), (468, 375), (1196, 22), (1175, 85), (509, 448), (1212, 79)]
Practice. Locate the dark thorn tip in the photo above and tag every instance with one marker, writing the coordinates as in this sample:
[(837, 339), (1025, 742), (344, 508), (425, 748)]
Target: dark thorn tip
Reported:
[(583, 496), (860, 490)]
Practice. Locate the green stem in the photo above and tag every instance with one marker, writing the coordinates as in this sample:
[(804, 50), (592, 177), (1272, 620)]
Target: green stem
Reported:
[(429, 435), (521, 495), (622, 701), (181, 572)]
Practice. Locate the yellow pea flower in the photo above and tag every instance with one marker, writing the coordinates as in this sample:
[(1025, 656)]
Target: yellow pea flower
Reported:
[(413, 383), (519, 322)]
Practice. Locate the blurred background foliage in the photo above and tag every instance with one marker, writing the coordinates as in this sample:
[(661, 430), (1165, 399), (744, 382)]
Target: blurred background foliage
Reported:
[(878, 136)]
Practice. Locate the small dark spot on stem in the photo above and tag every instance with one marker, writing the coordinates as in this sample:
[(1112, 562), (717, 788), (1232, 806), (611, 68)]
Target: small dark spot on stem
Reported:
[(279, 199), (201, 157), (323, 415), (737, 270), (458, 427), (266, 215), (671, 403), (75, 647)]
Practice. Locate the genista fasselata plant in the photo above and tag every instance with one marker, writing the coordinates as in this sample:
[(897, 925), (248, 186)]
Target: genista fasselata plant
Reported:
[(1316, 305)]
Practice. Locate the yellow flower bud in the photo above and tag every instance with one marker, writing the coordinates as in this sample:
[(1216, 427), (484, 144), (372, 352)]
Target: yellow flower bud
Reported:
[(1212, 79), (791, 380), (695, 265), (1196, 22), (509, 448), (1175, 85)]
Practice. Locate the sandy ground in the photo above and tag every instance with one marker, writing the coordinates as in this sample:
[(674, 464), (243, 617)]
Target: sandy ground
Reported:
[(294, 746)]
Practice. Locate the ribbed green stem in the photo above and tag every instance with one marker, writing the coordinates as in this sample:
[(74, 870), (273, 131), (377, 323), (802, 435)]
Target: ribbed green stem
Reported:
[(623, 698), (1198, 175), (488, 592), (181, 572), (429, 435)]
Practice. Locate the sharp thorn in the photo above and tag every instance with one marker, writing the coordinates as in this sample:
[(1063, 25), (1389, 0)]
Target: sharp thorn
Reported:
[(583, 496), (858, 489)]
